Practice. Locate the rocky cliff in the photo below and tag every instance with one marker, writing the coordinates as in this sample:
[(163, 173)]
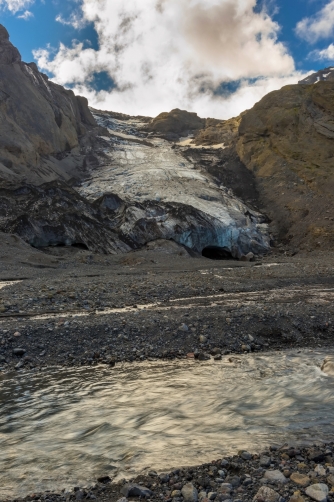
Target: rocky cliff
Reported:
[(112, 183), (286, 144), (287, 141), (42, 125)]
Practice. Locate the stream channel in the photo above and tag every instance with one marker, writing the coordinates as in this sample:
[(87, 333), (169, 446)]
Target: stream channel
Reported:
[(65, 427)]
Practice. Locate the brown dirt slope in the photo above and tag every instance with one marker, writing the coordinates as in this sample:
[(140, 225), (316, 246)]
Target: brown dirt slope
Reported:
[(287, 141)]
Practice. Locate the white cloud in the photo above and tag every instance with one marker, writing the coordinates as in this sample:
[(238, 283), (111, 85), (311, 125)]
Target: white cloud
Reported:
[(15, 6), (163, 54), (26, 15), (76, 20), (324, 54), (319, 26)]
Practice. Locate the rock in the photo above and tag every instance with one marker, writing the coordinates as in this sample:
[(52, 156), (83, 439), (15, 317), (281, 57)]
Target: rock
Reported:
[(177, 493), (296, 497), (320, 470), (300, 479), (318, 492), (178, 122), (316, 455), (245, 455), (330, 479), (216, 351), (164, 478), (134, 490), (19, 352), (123, 499), (203, 339), (201, 496), (202, 356), (275, 477), (247, 257), (17, 334), (212, 495), (226, 488), (266, 494), (104, 479), (217, 357), (265, 461), (184, 327), (246, 348), (189, 493)]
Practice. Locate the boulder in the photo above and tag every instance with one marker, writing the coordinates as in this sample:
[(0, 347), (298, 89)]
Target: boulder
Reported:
[(318, 492)]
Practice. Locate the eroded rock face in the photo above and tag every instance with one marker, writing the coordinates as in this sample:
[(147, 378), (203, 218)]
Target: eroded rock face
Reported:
[(287, 141), (176, 123), (39, 120), (53, 214)]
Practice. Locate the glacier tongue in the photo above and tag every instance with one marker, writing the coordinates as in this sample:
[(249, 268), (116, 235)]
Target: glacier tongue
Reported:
[(166, 196)]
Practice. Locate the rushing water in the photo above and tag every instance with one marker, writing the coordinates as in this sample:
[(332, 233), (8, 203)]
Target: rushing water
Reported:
[(65, 427)]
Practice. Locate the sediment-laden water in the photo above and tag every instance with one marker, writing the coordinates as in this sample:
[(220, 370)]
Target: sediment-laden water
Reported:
[(62, 427)]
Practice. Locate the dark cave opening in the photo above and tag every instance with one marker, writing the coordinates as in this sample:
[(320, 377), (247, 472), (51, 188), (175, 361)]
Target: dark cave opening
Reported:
[(80, 245), (217, 253)]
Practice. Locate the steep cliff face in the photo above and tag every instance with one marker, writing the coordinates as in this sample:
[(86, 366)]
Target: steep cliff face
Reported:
[(287, 141), (39, 121)]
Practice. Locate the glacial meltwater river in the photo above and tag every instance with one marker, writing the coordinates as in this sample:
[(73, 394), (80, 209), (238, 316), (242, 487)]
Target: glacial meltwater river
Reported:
[(65, 427)]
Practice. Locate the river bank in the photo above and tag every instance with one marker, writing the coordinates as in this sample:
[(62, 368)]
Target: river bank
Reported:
[(156, 306)]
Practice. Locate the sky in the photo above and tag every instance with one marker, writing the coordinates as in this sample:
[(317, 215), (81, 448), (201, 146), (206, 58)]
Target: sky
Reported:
[(141, 57)]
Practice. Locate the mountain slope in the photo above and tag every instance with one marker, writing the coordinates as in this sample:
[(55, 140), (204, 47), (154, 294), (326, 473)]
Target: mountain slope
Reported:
[(41, 123)]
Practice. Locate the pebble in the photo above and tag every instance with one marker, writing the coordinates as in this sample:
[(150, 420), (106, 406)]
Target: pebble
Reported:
[(189, 493), (320, 470), (266, 494), (134, 490), (300, 479), (19, 352), (245, 455), (318, 492), (177, 493), (296, 497), (330, 479), (275, 477), (212, 495), (265, 461)]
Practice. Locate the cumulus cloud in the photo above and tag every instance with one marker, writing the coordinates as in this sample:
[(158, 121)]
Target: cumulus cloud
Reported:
[(319, 26), (15, 6), (163, 54), (324, 54)]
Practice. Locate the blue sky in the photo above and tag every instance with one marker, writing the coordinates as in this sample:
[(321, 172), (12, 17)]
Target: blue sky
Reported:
[(98, 75)]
